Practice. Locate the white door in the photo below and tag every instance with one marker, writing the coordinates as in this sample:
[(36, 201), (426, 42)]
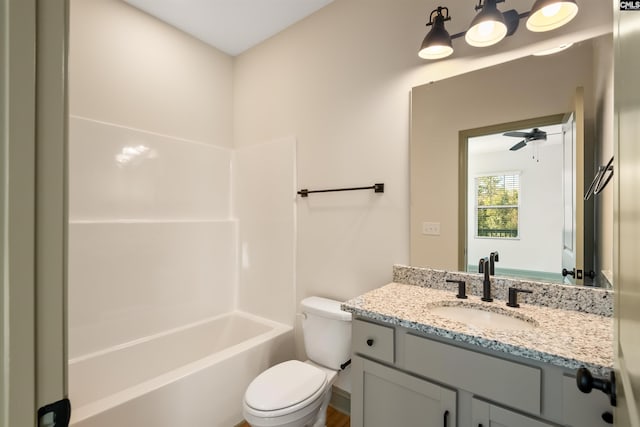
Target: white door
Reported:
[(572, 186), (627, 215), (33, 211)]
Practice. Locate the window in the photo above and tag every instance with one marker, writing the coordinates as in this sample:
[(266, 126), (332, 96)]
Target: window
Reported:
[(497, 201)]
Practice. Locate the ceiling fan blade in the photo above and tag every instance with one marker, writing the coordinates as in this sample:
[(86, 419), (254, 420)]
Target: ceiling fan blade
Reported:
[(517, 134), (519, 145)]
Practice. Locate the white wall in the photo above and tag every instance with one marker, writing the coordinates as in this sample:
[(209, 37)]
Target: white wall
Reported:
[(152, 243), (264, 205), (539, 243)]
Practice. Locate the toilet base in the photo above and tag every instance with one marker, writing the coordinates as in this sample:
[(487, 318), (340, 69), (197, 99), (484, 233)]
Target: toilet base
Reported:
[(321, 419)]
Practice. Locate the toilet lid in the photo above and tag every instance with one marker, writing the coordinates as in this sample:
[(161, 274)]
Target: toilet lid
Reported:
[(284, 385)]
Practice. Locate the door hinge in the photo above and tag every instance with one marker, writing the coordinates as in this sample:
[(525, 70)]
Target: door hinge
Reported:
[(56, 414)]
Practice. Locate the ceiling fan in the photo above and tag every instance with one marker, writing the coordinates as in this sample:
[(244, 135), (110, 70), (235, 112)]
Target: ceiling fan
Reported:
[(534, 135)]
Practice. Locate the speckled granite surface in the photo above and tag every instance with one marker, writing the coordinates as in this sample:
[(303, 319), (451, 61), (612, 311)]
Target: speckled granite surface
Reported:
[(565, 338), (565, 297)]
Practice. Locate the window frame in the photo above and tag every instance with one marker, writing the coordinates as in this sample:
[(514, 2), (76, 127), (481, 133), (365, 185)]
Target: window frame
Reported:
[(477, 207)]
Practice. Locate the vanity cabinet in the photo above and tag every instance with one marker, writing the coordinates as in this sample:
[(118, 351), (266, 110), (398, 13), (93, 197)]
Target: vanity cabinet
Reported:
[(404, 378), (383, 396)]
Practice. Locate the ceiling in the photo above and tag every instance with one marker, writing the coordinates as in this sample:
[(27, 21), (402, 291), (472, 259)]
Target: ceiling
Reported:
[(496, 143), (231, 26)]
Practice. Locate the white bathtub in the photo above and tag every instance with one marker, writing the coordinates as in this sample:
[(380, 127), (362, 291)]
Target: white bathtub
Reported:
[(194, 376)]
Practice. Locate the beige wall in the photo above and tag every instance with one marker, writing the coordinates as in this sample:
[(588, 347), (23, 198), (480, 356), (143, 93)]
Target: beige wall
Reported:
[(339, 81), (603, 75), (527, 88), (130, 69), (346, 103)]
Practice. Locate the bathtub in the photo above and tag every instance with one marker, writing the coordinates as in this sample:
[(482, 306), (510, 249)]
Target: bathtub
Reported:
[(193, 376)]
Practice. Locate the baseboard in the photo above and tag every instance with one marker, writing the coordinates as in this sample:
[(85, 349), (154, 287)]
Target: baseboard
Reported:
[(341, 400)]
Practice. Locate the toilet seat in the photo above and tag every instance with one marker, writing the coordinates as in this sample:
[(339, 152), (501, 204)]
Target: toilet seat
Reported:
[(284, 389)]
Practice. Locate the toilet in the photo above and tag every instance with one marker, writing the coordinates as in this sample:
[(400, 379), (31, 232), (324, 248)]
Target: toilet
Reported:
[(295, 393)]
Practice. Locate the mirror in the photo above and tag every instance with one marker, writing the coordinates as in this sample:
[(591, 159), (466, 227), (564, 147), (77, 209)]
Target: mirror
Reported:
[(516, 96), (509, 208)]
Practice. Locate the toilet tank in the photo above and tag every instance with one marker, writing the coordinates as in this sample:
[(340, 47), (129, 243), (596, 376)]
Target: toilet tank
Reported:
[(327, 332)]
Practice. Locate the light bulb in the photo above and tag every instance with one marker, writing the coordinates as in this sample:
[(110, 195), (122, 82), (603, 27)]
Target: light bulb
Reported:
[(551, 10), (485, 28), (486, 33), (553, 15), (435, 52)]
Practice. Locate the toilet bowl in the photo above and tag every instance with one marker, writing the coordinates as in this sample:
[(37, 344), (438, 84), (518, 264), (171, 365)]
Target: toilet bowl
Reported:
[(290, 394), (295, 393)]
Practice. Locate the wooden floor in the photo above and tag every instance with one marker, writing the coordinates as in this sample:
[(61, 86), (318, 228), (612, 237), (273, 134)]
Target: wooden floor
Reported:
[(334, 419)]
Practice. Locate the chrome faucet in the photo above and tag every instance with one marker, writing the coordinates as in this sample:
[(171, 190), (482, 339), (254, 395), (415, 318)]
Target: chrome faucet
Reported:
[(493, 258), (483, 267)]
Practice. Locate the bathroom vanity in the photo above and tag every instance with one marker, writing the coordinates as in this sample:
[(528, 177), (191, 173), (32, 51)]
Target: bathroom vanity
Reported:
[(415, 364)]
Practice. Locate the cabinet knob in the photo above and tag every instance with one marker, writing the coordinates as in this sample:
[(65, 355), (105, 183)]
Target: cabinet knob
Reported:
[(607, 417), (370, 342), (571, 273), (586, 382)]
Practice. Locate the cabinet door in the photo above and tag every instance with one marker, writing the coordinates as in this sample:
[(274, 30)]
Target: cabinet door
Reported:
[(485, 414), (384, 397)]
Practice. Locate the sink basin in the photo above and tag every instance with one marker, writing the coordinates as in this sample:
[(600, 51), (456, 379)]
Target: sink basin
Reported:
[(483, 319)]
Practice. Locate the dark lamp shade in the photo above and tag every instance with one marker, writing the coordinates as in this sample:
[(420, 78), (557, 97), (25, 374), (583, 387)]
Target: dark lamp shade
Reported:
[(436, 44)]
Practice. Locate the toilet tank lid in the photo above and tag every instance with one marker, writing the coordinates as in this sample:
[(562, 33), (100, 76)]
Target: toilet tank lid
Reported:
[(324, 307)]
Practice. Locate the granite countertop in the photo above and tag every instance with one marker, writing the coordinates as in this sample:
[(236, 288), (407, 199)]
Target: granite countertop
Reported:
[(564, 338)]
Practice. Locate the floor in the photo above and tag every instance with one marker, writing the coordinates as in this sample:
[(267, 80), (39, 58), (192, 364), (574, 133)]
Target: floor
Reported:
[(334, 419)]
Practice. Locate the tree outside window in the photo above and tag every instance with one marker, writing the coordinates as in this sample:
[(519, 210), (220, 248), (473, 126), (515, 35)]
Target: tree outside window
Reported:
[(497, 202)]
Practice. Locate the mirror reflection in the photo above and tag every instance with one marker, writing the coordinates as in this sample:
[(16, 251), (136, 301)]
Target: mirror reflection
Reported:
[(509, 206), (519, 194)]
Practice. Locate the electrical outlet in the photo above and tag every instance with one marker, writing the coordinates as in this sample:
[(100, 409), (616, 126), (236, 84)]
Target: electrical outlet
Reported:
[(431, 228)]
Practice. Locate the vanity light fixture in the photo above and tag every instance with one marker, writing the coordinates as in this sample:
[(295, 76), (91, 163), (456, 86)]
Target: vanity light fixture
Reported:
[(490, 25)]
